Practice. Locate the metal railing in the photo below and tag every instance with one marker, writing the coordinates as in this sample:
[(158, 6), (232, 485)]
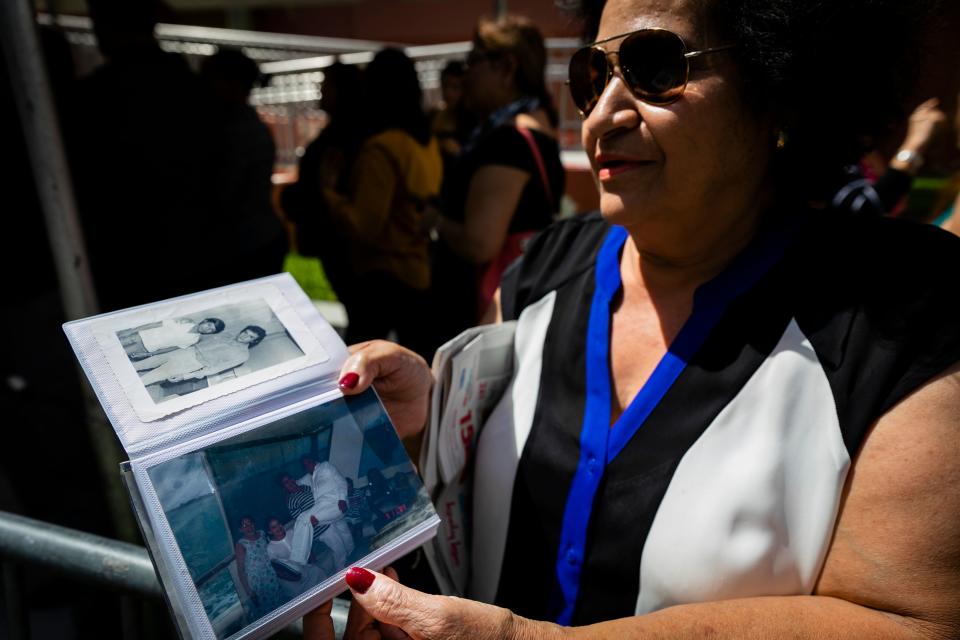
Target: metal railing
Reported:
[(110, 564), (293, 67)]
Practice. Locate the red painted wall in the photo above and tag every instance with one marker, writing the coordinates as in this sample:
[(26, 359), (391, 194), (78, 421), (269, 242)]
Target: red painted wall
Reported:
[(409, 21)]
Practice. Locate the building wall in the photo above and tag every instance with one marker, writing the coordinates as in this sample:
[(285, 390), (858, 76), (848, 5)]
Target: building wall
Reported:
[(408, 21)]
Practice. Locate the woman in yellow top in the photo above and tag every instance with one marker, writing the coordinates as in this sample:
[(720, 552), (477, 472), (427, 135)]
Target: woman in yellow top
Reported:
[(397, 172)]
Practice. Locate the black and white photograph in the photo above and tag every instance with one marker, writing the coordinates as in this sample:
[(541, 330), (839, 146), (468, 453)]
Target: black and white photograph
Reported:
[(177, 354), (183, 355), (263, 518)]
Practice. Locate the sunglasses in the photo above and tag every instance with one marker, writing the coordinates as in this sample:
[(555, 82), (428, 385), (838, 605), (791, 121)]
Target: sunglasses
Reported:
[(654, 63)]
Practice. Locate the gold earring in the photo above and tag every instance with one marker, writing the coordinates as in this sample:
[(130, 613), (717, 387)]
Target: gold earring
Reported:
[(781, 140)]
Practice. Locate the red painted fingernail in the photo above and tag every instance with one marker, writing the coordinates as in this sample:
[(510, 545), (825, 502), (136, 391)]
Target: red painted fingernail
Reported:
[(359, 579), (349, 381)]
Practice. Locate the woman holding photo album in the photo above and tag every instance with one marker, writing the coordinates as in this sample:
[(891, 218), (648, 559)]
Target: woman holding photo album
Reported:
[(733, 412)]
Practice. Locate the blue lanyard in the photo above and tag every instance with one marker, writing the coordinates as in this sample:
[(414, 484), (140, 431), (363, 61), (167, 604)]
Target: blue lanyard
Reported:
[(600, 443)]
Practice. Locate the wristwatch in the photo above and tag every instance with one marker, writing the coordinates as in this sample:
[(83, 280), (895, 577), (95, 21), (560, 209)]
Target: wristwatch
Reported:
[(910, 158)]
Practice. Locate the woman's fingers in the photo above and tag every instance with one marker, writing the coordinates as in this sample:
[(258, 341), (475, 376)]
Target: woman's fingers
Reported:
[(389, 365), (358, 622), (389, 631), (424, 616), (400, 376), (318, 625), (363, 626), (388, 601)]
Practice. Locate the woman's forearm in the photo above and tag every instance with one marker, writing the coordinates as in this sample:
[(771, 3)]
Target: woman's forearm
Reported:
[(454, 235), (742, 619)]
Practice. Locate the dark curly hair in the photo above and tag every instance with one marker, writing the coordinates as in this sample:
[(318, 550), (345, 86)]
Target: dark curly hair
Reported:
[(260, 331), (835, 74)]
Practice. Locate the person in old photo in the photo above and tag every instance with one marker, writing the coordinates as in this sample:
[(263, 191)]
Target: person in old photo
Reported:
[(203, 359), (167, 335), (256, 575), (295, 578), (319, 510)]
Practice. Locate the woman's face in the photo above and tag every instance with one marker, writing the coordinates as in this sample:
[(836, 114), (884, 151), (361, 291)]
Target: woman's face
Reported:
[(484, 82), (277, 531), (206, 327), (247, 527), (676, 174), (247, 336)]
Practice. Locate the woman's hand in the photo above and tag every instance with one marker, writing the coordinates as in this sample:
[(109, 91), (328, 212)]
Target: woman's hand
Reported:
[(318, 625), (925, 122), (400, 376), (391, 611)]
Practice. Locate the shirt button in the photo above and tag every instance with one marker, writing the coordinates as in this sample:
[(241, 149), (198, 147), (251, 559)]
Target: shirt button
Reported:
[(572, 557)]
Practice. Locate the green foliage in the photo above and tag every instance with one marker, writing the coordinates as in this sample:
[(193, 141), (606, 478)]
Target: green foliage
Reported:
[(308, 272)]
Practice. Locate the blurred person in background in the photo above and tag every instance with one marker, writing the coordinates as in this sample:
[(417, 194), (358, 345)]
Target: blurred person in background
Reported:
[(508, 181), (143, 148), (452, 122), (381, 212), (252, 241), (885, 194), (946, 209), (331, 153)]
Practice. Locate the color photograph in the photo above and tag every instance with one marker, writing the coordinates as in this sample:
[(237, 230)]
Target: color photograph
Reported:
[(265, 517)]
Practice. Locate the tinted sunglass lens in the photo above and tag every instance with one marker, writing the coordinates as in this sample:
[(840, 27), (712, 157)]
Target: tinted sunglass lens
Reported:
[(588, 77), (654, 66)]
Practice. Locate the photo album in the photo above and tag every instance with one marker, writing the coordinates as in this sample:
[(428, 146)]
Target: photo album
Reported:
[(255, 481)]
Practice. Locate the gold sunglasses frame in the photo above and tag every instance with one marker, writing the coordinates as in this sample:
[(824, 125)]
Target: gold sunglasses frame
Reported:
[(613, 66)]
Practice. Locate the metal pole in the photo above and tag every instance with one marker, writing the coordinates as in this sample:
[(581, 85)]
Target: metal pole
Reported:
[(91, 558), (28, 76), (499, 8), (41, 129)]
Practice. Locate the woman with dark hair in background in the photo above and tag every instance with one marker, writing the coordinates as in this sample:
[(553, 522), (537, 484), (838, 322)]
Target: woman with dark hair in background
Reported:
[(328, 159), (398, 170), (452, 122), (251, 242), (733, 414), (508, 181)]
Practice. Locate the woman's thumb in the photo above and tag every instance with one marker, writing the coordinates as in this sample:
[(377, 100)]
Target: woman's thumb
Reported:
[(391, 603)]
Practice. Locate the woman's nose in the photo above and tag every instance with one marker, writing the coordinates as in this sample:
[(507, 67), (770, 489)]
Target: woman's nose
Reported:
[(616, 109)]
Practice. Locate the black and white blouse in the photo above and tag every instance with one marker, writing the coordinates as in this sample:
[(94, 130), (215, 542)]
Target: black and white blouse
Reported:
[(723, 477)]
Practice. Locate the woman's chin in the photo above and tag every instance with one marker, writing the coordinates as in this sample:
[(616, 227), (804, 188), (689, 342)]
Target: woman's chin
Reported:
[(616, 209)]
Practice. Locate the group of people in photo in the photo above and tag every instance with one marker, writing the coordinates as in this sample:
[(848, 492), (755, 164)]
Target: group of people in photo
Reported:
[(179, 354), (328, 522)]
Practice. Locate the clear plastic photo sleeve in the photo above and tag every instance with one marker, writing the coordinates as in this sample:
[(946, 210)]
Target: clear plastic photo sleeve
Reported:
[(256, 498)]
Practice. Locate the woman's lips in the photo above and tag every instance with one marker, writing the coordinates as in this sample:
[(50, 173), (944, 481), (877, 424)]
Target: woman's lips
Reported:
[(612, 169)]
